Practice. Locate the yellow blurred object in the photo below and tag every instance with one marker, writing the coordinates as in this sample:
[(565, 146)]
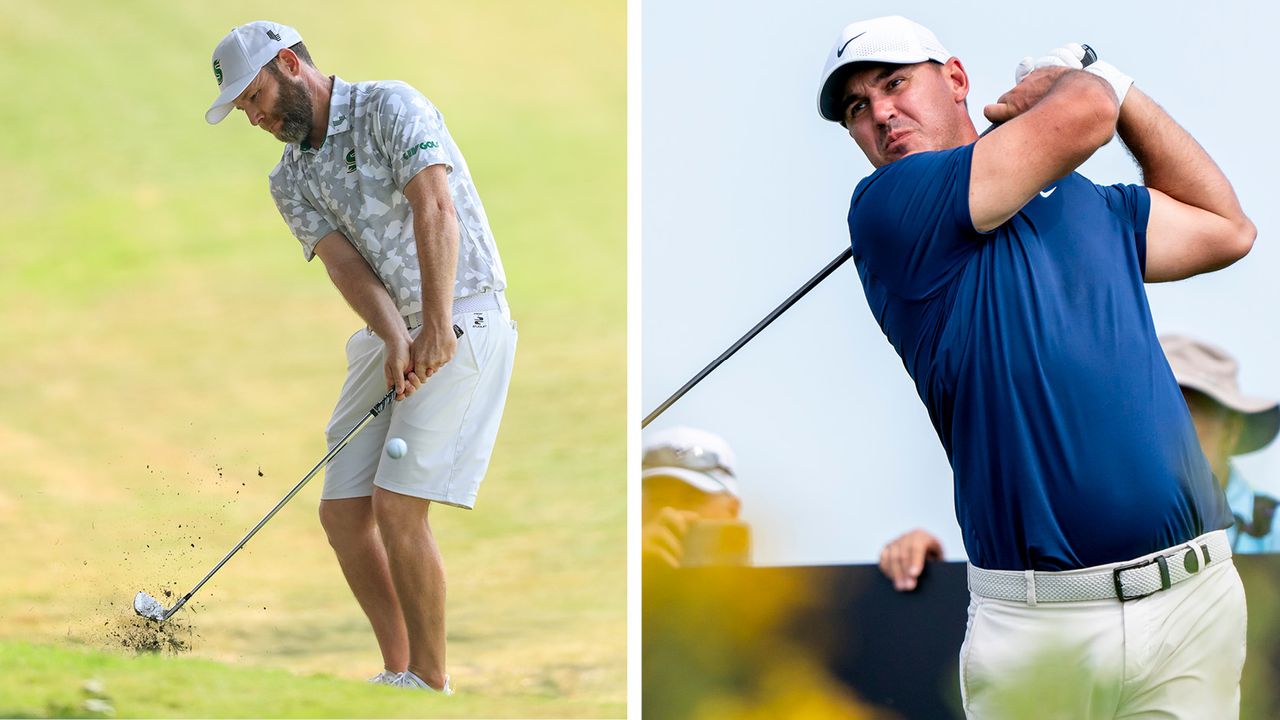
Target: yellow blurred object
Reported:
[(725, 643), (793, 687)]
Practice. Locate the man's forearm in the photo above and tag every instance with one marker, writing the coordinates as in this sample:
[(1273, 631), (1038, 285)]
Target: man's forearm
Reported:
[(436, 234), (1172, 161), (365, 293)]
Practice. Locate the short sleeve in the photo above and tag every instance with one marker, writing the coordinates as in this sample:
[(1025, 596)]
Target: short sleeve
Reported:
[(1132, 204), (307, 223), (909, 222), (410, 131)]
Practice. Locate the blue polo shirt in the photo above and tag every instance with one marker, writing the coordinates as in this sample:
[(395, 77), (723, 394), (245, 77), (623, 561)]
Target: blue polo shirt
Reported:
[(1033, 349)]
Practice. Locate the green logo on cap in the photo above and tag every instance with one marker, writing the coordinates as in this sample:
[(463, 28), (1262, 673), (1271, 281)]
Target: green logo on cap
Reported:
[(351, 161), (217, 71)]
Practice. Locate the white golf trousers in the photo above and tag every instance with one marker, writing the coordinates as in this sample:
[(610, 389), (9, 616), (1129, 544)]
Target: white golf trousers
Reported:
[(1177, 653)]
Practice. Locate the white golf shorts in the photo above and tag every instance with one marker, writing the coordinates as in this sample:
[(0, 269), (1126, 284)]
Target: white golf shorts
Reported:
[(449, 424), (1177, 653)]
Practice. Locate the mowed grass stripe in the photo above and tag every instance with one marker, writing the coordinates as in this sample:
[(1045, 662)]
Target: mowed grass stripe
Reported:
[(50, 682)]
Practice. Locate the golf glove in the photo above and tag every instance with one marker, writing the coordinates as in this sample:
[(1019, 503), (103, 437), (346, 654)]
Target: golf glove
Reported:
[(1071, 56), (1068, 56)]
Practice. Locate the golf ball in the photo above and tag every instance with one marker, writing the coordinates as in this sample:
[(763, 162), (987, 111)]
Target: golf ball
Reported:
[(396, 448)]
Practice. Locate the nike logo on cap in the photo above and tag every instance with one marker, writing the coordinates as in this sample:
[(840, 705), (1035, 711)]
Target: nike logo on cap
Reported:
[(1047, 193), (846, 43)]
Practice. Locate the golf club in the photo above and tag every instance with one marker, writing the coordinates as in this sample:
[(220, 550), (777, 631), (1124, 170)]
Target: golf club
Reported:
[(1089, 58), (150, 608)]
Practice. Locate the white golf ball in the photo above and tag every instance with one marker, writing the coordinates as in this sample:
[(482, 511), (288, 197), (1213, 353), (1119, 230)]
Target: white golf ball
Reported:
[(396, 448)]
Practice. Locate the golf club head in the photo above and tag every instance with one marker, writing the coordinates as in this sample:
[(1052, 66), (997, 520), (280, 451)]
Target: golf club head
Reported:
[(148, 607)]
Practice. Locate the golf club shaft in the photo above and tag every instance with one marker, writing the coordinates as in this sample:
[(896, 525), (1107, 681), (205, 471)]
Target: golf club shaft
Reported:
[(795, 297), (373, 412)]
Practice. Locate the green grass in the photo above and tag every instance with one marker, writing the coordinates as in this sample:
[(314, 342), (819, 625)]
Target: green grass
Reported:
[(57, 682), (165, 342)]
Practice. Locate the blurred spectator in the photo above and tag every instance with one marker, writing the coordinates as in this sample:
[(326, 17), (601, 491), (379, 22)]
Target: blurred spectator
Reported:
[(721, 643), (690, 501), (1228, 423)]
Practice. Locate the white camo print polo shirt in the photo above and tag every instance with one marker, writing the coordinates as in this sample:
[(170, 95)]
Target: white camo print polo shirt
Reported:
[(380, 135)]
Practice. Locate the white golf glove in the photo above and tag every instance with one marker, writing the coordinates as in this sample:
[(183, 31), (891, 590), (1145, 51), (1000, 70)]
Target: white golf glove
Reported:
[(1068, 56), (1071, 56)]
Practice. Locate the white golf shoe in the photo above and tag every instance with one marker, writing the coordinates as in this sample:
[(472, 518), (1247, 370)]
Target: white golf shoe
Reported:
[(407, 679), (386, 677)]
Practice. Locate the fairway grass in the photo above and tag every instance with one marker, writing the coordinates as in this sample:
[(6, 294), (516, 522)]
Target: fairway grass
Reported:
[(45, 681), (170, 360)]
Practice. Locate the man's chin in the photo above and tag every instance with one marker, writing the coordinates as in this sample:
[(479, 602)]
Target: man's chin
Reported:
[(289, 140)]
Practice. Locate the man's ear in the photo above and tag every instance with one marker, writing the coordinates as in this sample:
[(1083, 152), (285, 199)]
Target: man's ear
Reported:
[(290, 63), (958, 79)]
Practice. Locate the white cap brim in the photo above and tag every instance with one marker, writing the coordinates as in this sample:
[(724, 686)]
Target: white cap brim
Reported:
[(715, 483), (226, 101)]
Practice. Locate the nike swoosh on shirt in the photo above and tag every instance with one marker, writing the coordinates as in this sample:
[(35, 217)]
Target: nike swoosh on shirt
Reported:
[(1047, 193), (846, 44)]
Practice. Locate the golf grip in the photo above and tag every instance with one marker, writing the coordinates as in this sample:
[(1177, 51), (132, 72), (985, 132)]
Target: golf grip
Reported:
[(382, 405), (1090, 57)]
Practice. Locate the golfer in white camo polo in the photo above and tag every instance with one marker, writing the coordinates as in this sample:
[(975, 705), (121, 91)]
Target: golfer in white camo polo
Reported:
[(373, 184)]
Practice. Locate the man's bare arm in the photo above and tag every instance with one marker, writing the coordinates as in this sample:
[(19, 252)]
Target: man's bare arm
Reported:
[(1196, 223), (435, 230), (1052, 122), (365, 293)]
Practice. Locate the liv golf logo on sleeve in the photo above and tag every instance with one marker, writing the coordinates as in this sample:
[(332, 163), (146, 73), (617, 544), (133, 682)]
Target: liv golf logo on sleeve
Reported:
[(428, 145)]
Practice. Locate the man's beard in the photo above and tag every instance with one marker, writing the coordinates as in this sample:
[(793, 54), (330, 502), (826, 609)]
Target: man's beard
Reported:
[(294, 107)]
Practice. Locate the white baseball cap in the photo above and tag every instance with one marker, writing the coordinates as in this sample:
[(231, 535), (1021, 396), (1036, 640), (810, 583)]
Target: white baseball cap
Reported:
[(893, 39), (695, 457), (240, 55)]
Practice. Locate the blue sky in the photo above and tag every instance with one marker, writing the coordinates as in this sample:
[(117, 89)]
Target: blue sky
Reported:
[(744, 194)]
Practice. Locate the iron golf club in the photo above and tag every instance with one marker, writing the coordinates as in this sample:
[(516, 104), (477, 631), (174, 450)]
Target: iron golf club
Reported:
[(150, 608)]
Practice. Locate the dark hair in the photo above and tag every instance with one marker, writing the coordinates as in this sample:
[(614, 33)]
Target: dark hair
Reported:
[(301, 51), (298, 49)]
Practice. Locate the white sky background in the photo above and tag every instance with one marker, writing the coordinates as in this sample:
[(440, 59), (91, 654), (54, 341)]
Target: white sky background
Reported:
[(744, 196)]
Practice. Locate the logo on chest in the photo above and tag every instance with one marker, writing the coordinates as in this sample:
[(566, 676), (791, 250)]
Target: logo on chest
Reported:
[(351, 160)]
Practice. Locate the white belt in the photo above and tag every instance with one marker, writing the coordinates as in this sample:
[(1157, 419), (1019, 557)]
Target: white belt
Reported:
[(1126, 581), (471, 303)]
